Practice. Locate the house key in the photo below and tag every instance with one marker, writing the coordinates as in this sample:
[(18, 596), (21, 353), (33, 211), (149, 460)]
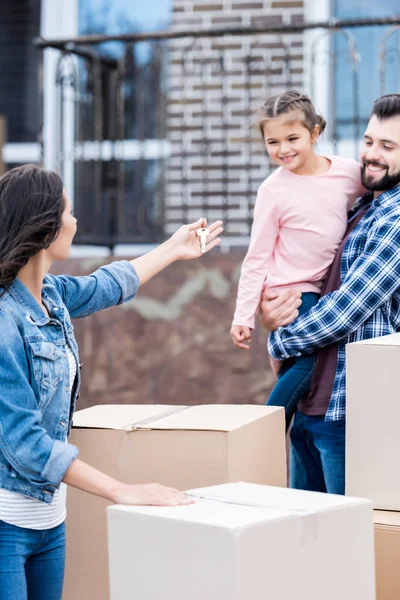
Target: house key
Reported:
[(202, 233)]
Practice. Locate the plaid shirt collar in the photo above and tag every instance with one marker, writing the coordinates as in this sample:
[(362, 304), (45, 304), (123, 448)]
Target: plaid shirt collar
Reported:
[(385, 199)]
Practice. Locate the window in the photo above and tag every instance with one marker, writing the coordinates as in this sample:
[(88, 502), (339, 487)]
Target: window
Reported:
[(19, 66), (354, 94), (122, 16), (130, 189)]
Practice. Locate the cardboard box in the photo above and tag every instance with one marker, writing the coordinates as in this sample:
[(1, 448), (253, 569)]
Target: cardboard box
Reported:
[(183, 447), (387, 554), (373, 417), (244, 541)]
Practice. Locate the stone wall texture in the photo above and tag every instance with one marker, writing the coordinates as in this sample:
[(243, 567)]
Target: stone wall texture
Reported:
[(171, 344)]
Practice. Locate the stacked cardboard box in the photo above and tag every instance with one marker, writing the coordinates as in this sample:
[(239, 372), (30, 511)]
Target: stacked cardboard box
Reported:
[(387, 554), (178, 446), (373, 447), (244, 541)]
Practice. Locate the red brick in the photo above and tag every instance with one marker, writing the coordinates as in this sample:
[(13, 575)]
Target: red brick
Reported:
[(287, 4), (206, 7)]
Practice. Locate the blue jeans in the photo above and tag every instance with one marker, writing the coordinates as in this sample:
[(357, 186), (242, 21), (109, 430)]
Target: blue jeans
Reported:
[(317, 454), (31, 563), (295, 375)]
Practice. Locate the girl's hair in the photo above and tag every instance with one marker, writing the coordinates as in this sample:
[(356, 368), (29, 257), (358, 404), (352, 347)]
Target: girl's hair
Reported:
[(31, 207), (286, 103)]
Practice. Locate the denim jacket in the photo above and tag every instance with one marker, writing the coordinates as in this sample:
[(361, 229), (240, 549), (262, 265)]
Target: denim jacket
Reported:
[(36, 402)]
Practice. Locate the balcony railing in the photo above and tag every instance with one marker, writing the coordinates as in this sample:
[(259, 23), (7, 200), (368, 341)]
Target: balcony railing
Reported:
[(166, 132)]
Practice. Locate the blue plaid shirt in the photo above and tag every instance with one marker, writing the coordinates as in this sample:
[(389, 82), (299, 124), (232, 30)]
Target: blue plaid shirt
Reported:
[(367, 305)]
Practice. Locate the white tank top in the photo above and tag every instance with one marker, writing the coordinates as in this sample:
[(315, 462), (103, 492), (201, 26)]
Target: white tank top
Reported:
[(31, 513)]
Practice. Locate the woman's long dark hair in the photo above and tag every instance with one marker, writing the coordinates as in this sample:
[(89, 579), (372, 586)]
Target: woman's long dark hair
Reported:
[(31, 208)]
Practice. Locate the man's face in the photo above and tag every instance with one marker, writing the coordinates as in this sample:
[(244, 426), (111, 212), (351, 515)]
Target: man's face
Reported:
[(380, 155)]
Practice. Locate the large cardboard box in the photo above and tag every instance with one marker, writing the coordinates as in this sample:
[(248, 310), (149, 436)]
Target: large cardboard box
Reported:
[(373, 417), (183, 447), (243, 541), (387, 554)]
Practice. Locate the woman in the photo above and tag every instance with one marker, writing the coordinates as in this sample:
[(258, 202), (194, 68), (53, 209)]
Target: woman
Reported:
[(39, 378)]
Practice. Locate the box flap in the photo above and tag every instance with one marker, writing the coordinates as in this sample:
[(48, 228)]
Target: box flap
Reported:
[(213, 417), (384, 340), (387, 517), (264, 496), (119, 416), (242, 504)]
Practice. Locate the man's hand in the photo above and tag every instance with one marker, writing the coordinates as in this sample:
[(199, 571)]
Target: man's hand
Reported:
[(279, 310), (276, 365), (241, 334)]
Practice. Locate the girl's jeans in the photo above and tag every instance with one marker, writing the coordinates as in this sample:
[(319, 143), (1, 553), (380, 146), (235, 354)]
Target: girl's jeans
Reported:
[(295, 375), (31, 563)]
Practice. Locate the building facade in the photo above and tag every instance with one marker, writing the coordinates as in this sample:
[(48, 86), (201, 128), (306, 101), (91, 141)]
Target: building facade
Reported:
[(187, 143), (201, 145)]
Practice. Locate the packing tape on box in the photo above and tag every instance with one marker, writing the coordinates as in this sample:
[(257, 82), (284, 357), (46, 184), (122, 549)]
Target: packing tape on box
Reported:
[(269, 507), (149, 420), (309, 520)]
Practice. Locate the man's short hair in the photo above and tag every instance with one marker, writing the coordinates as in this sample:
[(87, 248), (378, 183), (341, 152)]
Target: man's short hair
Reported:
[(386, 107)]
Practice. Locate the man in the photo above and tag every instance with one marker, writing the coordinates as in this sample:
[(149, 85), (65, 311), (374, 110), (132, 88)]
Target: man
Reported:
[(361, 300)]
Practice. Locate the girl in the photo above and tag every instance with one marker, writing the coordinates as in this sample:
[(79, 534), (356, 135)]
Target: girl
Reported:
[(39, 378), (300, 217)]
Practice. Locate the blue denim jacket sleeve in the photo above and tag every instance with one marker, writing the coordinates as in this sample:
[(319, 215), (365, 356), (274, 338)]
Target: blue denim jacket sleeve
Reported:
[(27, 447), (112, 284)]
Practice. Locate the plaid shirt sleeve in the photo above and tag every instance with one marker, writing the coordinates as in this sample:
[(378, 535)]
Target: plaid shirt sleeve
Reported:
[(372, 279)]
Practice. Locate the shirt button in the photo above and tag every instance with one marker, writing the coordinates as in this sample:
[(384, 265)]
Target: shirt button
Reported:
[(62, 423), (46, 492)]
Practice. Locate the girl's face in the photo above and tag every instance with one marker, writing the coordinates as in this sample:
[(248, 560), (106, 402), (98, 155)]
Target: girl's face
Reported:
[(288, 142), (60, 248)]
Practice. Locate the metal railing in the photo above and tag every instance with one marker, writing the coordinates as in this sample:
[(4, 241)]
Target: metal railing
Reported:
[(166, 131)]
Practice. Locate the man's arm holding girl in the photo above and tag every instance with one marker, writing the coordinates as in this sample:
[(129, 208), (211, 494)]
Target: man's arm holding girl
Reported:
[(372, 280)]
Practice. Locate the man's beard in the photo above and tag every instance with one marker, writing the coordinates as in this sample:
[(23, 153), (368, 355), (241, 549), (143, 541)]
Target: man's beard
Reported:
[(387, 182)]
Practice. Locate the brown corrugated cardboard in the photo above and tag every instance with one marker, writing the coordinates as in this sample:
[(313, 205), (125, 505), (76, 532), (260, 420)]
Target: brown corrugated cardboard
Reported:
[(373, 416), (387, 554), (242, 541), (183, 447)]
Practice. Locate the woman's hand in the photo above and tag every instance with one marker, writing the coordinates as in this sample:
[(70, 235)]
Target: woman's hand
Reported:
[(184, 244), (187, 243), (149, 494), (84, 477)]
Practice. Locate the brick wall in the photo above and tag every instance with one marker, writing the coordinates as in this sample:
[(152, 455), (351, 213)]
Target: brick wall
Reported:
[(215, 84)]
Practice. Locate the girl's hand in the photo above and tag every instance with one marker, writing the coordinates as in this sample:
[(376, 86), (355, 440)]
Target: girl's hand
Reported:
[(241, 334), (186, 242)]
